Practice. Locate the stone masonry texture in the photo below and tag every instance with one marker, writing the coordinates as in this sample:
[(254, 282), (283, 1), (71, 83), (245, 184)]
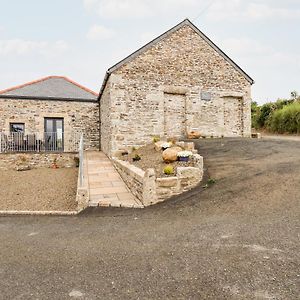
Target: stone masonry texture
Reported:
[(79, 117), (177, 85), (14, 161)]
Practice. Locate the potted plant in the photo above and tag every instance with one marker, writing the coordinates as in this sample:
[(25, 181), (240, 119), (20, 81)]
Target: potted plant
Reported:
[(165, 146), (184, 155)]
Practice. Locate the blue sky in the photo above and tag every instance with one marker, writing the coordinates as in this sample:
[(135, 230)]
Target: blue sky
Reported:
[(82, 38)]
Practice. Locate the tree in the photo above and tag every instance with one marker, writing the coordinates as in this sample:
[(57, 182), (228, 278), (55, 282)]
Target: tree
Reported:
[(254, 114), (294, 95)]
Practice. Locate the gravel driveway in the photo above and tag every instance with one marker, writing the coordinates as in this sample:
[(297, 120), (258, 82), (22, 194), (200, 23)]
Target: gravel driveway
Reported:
[(238, 239), (38, 189)]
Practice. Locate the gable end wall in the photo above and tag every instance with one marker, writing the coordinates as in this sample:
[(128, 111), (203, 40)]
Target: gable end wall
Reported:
[(180, 64)]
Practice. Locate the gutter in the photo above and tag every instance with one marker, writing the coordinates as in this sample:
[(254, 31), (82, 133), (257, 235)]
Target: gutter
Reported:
[(106, 77), (14, 97)]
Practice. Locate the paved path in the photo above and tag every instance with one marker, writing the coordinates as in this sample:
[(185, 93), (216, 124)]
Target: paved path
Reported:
[(106, 187)]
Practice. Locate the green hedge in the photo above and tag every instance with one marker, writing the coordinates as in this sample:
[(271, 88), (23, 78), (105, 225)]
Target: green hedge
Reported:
[(285, 120)]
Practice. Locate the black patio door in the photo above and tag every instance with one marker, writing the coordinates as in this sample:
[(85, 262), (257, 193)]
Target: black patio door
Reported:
[(54, 134)]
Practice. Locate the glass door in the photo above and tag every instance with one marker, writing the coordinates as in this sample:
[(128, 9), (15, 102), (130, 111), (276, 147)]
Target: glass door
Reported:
[(54, 134)]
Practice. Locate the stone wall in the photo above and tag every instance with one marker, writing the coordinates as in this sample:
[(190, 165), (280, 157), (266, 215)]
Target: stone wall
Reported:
[(105, 120), (83, 194), (132, 176), (13, 161), (141, 94), (79, 117), (150, 190)]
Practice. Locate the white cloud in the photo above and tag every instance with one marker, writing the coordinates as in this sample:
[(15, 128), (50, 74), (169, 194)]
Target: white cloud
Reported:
[(246, 46), (264, 11), (217, 10), (117, 8), (122, 9), (27, 47), (99, 33), (246, 49), (241, 10)]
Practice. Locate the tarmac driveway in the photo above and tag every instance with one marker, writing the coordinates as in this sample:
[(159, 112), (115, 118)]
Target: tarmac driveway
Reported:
[(237, 239)]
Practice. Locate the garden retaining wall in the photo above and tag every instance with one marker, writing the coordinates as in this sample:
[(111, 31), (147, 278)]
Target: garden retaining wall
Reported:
[(82, 194), (150, 190), (14, 161)]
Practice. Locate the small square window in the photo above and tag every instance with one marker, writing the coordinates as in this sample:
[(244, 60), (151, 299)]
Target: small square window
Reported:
[(17, 127)]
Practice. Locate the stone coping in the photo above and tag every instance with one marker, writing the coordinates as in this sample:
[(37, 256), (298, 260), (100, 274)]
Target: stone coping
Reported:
[(4, 213)]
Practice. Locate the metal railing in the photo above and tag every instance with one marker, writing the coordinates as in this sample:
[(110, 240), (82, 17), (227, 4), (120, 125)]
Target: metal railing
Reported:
[(81, 150), (39, 142)]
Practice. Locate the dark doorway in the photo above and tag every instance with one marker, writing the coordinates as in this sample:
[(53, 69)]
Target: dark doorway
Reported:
[(54, 134)]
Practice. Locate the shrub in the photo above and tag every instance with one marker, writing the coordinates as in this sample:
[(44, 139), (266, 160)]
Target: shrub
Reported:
[(168, 170), (286, 119), (264, 114), (281, 116), (156, 139), (255, 110), (136, 158)]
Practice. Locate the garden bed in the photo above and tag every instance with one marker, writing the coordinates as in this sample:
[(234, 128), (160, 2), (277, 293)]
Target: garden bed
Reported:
[(146, 178), (150, 158)]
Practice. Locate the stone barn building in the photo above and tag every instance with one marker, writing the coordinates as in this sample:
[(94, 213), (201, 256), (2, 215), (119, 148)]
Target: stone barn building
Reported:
[(179, 82)]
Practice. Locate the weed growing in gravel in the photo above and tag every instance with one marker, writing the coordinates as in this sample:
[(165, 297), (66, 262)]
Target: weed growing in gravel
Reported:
[(209, 183)]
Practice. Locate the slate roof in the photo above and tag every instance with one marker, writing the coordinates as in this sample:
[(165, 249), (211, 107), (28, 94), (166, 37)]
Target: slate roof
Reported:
[(158, 39), (50, 88)]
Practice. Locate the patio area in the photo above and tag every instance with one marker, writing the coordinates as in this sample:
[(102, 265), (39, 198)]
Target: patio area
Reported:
[(39, 142)]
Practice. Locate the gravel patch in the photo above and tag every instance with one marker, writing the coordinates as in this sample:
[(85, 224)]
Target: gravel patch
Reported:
[(38, 189)]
